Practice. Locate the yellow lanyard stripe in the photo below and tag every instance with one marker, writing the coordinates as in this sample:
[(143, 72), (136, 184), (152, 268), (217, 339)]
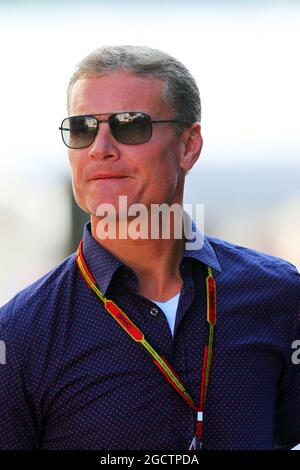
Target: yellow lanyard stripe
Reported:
[(168, 370), (89, 280)]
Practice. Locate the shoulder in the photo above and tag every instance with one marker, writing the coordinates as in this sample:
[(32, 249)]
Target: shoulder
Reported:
[(34, 305), (260, 287), (243, 258), (256, 270)]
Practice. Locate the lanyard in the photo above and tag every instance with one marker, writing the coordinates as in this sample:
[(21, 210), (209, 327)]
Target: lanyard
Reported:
[(137, 335)]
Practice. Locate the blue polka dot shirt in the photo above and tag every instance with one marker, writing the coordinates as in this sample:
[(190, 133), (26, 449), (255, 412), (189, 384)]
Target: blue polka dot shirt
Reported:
[(72, 378)]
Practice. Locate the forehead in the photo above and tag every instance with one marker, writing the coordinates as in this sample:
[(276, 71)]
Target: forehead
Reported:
[(117, 91)]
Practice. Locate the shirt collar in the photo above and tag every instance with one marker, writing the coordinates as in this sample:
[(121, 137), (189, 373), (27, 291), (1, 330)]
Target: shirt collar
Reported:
[(103, 264), (100, 262), (199, 248)]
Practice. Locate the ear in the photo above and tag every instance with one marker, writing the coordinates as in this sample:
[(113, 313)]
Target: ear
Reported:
[(192, 146)]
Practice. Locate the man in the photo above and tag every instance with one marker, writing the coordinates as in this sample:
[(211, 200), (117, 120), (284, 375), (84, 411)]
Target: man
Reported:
[(137, 342)]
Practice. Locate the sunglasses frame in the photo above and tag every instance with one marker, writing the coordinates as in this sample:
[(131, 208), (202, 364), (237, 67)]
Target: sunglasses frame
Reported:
[(99, 121)]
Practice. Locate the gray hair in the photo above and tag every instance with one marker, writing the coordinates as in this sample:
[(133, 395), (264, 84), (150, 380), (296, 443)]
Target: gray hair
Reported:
[(180, 91)]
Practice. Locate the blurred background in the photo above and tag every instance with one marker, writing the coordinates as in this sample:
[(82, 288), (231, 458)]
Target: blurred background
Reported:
[(245, 58)]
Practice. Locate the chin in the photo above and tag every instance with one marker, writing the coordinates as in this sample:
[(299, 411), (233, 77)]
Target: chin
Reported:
[(104, 206)]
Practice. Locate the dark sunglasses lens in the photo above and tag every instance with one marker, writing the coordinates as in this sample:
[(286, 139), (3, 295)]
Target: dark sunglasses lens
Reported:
[(79, 132), (131, 128)]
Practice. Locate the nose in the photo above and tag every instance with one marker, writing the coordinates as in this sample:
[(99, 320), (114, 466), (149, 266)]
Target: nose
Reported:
[(104, 145)]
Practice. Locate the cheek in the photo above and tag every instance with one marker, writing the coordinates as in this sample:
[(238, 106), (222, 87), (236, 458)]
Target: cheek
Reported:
[(165, 163), (76, 164), (162, 171), (72, 160)]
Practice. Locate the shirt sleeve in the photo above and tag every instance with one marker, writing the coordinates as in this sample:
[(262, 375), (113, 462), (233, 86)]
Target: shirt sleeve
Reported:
[(287, 423), (18, 430)]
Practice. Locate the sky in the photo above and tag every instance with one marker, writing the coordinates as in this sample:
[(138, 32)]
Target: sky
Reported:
[(243, 55)]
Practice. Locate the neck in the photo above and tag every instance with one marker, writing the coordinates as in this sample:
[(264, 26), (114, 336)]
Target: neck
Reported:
[(155, 261)]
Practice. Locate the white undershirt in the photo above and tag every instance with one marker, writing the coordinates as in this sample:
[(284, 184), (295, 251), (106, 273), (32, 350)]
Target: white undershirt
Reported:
[(169, 308)]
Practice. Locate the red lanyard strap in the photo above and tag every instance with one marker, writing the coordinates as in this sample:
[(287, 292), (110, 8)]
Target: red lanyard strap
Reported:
[(137, 335)]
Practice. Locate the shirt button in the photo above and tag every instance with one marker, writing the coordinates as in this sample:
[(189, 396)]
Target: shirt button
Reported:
[(154, 311)]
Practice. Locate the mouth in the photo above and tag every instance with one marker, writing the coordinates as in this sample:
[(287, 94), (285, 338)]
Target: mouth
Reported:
[(107, 176)]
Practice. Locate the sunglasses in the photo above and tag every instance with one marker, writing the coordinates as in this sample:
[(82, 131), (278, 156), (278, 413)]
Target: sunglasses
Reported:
[(129, 128)]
